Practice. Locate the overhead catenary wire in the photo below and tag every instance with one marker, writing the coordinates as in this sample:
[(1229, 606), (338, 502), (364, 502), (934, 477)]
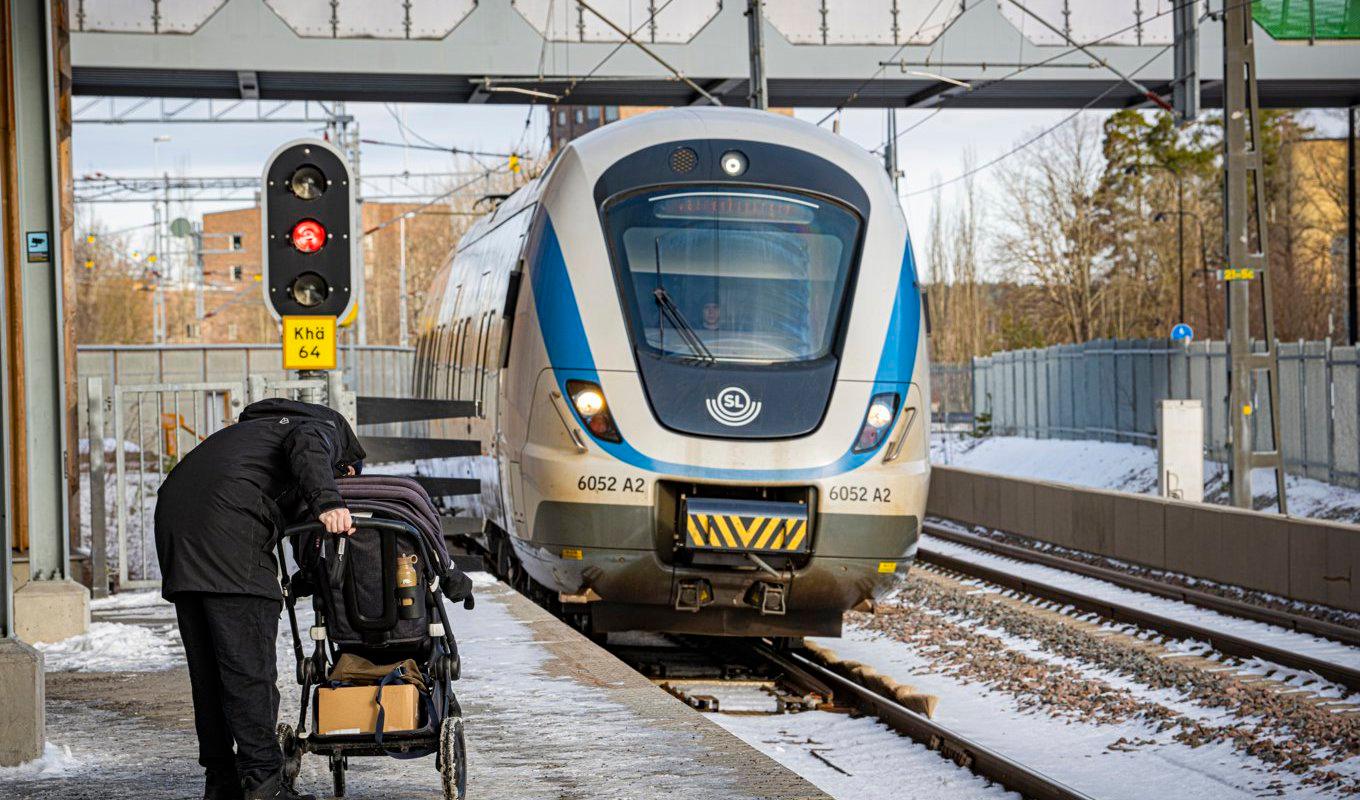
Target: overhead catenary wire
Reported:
[(1036, 137), (571, 87), (438, 148), (854, 93), (1049, 61), (1146, 92), (418, 209), (650, 53)]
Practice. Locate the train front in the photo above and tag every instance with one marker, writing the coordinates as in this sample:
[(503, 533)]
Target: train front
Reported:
[(728, 429)]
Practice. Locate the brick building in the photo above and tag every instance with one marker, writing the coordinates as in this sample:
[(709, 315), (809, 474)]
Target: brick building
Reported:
[(233, 303)]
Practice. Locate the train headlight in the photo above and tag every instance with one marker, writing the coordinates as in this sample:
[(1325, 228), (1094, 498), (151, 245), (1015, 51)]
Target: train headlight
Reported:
[(588, 400), (880, 414), (877, 421), (733, 162)]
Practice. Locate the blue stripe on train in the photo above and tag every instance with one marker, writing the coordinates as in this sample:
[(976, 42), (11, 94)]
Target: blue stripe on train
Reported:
[(564, 335)]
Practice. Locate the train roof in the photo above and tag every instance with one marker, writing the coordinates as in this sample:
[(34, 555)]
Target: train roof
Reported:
[(601, 148)]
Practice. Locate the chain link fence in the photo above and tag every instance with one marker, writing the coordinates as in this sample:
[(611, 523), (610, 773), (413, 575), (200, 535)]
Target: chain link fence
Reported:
[(1108, 390)]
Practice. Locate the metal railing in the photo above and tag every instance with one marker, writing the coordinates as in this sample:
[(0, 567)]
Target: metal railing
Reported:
[(381, 370), (153, 426)]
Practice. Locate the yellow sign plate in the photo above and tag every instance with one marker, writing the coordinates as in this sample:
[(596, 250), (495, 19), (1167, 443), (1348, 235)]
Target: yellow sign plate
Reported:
[(1244, 274), (309, 342)]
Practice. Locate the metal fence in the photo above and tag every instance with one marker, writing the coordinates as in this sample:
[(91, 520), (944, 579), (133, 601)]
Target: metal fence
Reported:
[(378, 370), (1108, 390), (134, 435), (951, 393)]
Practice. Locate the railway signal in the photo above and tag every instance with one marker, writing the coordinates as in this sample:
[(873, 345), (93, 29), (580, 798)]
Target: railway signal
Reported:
[(308, 232)]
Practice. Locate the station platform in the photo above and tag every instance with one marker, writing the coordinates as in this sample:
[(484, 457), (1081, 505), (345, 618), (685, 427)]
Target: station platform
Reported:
[(549, 715)]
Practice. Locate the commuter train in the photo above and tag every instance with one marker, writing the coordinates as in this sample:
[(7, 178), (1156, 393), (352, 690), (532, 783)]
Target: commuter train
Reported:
[(698, 349)]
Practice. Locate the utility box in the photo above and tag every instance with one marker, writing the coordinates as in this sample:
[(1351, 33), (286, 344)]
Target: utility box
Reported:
[(1180, 450)]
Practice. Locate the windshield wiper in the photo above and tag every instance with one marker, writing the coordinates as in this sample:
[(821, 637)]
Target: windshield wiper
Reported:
[(678, 321)]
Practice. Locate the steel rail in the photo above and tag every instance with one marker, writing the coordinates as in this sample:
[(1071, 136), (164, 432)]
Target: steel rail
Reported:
[(1224, 605), (1227, 643), (980, 760)]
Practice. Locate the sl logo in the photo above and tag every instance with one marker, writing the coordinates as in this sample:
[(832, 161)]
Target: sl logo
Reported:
[(733, 407)]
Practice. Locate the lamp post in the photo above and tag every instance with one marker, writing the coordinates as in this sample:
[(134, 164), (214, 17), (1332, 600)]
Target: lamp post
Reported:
[(1203, 261), (1180, 228)]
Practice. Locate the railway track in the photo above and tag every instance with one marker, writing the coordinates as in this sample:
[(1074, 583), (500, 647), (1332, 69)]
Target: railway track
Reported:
[(1224, 642), (797, 679)]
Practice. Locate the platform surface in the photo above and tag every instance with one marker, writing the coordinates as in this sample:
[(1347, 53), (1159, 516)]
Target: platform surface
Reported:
[(549, 715)]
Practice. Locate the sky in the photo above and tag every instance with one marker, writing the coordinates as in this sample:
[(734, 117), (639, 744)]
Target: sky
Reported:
[(931, 152)]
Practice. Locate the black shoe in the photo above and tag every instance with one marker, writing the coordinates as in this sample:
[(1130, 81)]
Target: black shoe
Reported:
[(276, 789), (222, 784)]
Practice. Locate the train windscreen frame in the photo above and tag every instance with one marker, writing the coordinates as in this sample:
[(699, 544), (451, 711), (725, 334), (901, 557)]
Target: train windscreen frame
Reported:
[(726, 273)]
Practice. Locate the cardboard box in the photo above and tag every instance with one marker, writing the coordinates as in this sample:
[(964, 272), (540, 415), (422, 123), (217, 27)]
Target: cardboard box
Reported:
[(354, 710)]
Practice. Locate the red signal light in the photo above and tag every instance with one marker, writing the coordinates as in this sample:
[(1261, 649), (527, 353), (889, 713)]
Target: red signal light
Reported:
[(308, 236)]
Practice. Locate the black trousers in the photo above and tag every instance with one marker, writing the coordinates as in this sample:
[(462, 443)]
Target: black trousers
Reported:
[(229, 643)]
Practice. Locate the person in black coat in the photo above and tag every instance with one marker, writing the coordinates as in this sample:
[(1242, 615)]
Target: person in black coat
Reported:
[(217, 514)]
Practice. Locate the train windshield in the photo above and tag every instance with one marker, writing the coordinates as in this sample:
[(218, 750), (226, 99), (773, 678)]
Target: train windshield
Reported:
[(720, 274)]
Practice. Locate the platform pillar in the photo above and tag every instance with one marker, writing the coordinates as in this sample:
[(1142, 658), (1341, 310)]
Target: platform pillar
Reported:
[(21, 684), (39, 408)]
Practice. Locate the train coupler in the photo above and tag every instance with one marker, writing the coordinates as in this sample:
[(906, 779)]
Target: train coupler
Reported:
[(767, 597), (693, 594)]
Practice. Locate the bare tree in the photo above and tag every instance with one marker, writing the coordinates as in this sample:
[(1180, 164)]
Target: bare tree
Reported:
[(1049, 228)]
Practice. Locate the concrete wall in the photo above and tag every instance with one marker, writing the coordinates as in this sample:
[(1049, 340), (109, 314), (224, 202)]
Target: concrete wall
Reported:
[(1309, 560)]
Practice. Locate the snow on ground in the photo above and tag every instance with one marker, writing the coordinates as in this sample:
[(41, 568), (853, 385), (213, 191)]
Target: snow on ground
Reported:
[(1302, 643), (1090, 757), (116, 647), (1127, 468), (856, 758), (539, 726), (56, 761)]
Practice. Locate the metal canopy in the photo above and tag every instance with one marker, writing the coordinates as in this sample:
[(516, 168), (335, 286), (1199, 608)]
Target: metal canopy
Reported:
[(509, 51)]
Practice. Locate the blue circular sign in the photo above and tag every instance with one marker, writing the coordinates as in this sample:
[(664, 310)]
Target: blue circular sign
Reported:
[(1182, 333)]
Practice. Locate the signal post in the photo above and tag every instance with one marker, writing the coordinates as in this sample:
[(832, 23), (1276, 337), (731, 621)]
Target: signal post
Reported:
[(310, 239)]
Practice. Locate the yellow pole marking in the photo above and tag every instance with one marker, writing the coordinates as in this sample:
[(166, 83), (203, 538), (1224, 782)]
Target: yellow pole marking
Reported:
[(796, 536), (723, 529), (771, 523)]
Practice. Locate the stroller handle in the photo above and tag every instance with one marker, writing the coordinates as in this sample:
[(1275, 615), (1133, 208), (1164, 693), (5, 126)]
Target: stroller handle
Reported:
[(370, 523), (373, 524)]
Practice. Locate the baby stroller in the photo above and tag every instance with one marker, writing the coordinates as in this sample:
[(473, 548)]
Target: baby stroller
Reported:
[(377, 600)]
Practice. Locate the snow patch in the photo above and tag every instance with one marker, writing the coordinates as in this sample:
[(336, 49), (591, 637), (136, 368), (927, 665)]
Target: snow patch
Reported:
[(1123, 467), (116, 647), (56, 761)]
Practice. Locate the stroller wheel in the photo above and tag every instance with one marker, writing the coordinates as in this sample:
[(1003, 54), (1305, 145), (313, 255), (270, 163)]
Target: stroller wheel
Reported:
[(453, 758), (292, 754), (338, 766)]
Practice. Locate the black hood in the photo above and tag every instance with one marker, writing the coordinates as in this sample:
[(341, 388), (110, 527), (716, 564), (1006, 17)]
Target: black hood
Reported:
[(347, 444)]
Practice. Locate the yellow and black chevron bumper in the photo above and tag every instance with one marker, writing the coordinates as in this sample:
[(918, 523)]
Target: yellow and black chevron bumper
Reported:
[(741, 526)]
